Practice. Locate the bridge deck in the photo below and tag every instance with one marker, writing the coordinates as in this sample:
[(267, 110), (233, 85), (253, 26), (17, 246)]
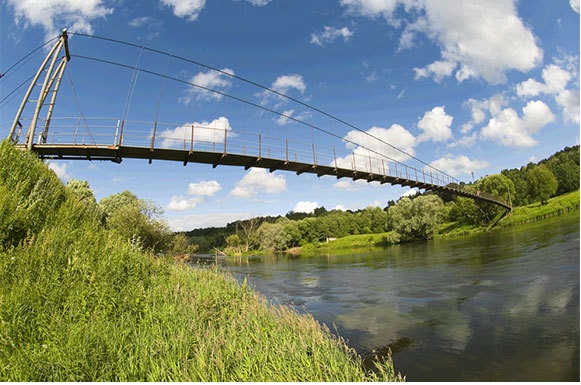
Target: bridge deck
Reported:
[(117, 153)]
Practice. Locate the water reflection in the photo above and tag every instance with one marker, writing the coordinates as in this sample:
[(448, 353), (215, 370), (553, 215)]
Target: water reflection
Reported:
[(498, 306)]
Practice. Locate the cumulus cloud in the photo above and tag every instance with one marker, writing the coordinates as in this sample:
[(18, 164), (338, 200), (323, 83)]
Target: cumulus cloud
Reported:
[(283, 85), (200, 190), (555, 80), (574, 5), (138, 21), (205, 188), (60, 169), (185, 9), (286, 116), (258, 180), (51, 15), (456, 165), (435, 125), (305, 207), (180, 203), (569, 100), (200, 221), (330, 34), (508, 129), (204, 83), (205, 132), (438, 70), (352, 185), (410, 192), (367, 147), (477, 39), (372, 8), (259, 3)]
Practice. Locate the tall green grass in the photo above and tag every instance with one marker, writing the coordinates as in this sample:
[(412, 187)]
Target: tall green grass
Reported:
[(78, 303)]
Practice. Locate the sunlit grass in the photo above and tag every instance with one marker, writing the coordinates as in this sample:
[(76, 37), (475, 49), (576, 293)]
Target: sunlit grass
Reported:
[(555, 206), (78, 303)]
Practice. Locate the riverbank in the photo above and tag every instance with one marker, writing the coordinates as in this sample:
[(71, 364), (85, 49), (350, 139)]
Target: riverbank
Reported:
[(520, 215), (80, 303)]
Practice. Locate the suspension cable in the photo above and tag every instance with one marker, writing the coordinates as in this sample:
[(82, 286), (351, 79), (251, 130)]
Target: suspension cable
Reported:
[(26, 56), (274, 92), (80, 110)]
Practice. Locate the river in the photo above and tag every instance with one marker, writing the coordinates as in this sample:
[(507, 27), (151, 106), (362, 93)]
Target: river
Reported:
[(499, 306)]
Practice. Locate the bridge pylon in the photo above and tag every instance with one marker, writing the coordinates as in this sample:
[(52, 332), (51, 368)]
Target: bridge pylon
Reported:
[(50, 85)]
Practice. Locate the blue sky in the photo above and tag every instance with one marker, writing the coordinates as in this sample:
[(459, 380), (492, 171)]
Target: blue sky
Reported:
[(466, 86)]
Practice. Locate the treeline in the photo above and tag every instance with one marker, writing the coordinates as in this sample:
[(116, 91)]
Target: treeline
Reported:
[(410, 218)]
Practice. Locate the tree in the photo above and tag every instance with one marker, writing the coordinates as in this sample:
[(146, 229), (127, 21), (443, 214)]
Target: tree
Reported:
[(273, 236), (247, 232), (542, 183), (417, 219), (181, 245), (137, 220), (81, 193)]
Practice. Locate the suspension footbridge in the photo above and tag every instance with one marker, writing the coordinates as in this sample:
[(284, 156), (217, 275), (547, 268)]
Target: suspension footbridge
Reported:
[(269, 143)]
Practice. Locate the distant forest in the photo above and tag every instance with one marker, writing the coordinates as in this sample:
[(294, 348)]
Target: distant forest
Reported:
[(410, 218)]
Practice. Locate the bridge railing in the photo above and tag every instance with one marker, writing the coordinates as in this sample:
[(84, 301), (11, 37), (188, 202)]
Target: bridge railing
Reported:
[(90, 131)]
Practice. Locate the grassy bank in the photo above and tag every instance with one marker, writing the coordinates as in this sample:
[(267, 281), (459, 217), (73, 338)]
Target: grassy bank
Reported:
[(555, 206), (78, 303)]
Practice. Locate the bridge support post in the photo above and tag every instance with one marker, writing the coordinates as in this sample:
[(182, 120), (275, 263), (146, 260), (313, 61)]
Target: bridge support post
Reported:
[(51, 76)]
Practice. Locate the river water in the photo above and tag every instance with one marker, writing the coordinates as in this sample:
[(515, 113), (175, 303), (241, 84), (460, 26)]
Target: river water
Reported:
[(500, 306)]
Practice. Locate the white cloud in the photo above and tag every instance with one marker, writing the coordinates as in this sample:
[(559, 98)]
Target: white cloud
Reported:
[(438, 70), (435, 125), (205, 188), (211, 80), (282, 85), (330, 34), (574, 5), (410, 192), (569, 101), (456, 165), (465, 141), (372, 8), (60, 169), (286, 116), (555, 80), (51, 15), (185, 9), (138, 21), (351, 185), (368, 151), (206, 132), (259, 3), (340, 207), (508, 129), (305, 207), (478, 39), (180, 203), (200, 221), (258, 180)]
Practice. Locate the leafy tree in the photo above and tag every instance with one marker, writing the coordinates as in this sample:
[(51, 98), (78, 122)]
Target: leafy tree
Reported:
[(417, 219), (137, 220), (181, 245), (542, 183), (273, 236), (247, 232)]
